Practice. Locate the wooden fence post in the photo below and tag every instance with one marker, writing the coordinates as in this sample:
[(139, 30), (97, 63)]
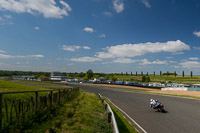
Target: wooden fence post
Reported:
[(59, 97), (1, 106), (51, 92), (106, 106), (102, 100), (36, 101), (109, 117)]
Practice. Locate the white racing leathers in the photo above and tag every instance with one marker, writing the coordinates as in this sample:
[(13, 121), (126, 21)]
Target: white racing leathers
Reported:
[(154, 104)]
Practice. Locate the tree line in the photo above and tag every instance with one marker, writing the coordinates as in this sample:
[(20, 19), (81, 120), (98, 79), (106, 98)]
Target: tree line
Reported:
[(87, 75)]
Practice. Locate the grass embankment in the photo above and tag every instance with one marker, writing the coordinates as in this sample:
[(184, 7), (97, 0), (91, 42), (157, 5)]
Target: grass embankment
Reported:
[(81, 112), (44, 84), (8, 86), (21, 112), (178, 79), (84, 114), (123, 125)]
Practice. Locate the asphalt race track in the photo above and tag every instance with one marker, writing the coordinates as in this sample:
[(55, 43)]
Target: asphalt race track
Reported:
[(183, 114)]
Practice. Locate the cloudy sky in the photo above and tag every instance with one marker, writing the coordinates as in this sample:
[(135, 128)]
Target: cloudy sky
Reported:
[(102, 35)]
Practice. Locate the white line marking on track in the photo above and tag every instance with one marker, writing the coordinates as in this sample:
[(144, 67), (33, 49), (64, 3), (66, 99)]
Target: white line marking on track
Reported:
[(142, 129)]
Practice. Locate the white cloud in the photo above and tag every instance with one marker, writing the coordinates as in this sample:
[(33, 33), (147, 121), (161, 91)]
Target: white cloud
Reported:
[(5, 20), (18, 63), (66, 6), (123, 60), (132, 50), (172, 61), (70, 64), (6, 56), (36, 27), (107, 14), (193, 58), (196, 33), (146, 3), (7, 16), (175, 66), (36, 56), (156, 62), (118, 5), (1, 51), (22, 63), (102, 36), (190, 64), (74, 47), (86, 47), (178, 53), (169, 57), (196, 48), (85, 59), (48, 8), (70, 48), (88, 29)]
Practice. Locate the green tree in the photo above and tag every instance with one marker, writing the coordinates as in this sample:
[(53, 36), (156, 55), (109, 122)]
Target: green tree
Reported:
[(114, 79), (107, 77), (85, 77), (191, 74), (167, 73), (143, 78), (183, 74), (147, 74), (90, 73), (160, 73), (142, 73), (42, 76), (96, 76), (131, 73), (175, 73), (148, 79), (154, 73), (136, 73), (81, 74)]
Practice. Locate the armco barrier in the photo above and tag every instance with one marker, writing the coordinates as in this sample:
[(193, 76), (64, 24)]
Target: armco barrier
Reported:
[(111, 116), (175, 88)]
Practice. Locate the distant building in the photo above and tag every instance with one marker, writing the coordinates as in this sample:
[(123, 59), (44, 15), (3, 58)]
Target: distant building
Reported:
[(57, 76), (23, 77)]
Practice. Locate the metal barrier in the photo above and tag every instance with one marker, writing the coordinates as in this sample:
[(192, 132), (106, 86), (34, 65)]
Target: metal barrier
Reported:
[(111, 116)]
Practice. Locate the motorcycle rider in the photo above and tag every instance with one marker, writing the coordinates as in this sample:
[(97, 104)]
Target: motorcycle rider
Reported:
[(154, 104)]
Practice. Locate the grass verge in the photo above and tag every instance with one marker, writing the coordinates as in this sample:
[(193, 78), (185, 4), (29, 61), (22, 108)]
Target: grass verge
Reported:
[(84, 114), (19, 114), (123, 125), (176, 95)]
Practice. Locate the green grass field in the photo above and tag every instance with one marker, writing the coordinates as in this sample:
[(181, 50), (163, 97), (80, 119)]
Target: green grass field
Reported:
[(81, 112), (178, 79), (84, 114), (8, 86), (42, 83)]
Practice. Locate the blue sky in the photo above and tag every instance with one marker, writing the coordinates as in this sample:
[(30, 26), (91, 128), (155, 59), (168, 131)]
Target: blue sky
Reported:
[(102, 35)]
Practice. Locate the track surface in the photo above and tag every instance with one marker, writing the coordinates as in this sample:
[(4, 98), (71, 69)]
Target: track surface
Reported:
[(183, 114)]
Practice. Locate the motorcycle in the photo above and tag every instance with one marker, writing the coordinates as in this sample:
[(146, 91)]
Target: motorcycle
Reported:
[(160, 108)]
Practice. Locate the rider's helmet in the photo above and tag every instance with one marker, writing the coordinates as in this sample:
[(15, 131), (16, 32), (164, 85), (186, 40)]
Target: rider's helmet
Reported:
[(151, 100)]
